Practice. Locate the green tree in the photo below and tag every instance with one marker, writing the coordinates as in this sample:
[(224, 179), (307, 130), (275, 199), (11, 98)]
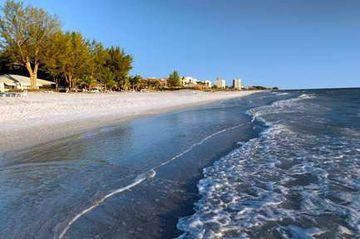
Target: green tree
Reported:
[(102, 71), (109, 79), (152, 84), (86, 82), (25, 33), (54, 57), (99, 58), (135, 82), (120, 64), (174, 80), (125, 84), (75, 58)]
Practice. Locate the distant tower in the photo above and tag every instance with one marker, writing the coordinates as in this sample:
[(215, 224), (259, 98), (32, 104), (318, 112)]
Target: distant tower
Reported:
[(220, 83), (237, 84)]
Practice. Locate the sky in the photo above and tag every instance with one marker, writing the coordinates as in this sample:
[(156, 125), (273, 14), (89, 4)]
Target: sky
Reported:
[(290, 44)]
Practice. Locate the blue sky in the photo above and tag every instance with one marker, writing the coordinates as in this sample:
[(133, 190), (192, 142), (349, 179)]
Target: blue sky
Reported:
[(290, 44)]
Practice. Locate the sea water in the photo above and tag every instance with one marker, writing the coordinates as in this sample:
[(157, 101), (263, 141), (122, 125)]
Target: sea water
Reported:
[(300, 178), (271, 165)]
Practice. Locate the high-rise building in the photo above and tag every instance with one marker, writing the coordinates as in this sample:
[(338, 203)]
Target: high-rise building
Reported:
[(220, 83), (237, 84)]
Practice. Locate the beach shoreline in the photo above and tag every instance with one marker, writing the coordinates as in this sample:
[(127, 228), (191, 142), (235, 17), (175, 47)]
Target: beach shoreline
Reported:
[(40, 118)]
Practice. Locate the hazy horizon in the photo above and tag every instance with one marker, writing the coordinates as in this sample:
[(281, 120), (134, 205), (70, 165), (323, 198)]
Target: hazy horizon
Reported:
[(288, 44)]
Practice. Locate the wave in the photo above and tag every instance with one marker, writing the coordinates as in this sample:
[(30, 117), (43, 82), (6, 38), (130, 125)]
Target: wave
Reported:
[(297, 104), (139, 179), (285, 183), (281, 93), (306, 96)]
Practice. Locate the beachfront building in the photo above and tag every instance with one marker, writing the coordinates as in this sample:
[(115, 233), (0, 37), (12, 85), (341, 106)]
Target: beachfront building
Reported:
[(18, 82), (155, 83), (207, 83), (7, 84), (219, 83), (237, 84), (189, 81)]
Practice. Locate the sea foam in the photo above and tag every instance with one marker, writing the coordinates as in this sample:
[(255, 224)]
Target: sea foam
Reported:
[(286, 183)]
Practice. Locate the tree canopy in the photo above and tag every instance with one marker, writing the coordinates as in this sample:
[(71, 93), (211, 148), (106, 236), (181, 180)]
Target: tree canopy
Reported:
[(174, 80), (120, 64), (25, 34), (33, 39)]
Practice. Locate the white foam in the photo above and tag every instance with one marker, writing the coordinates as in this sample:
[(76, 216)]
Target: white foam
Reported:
[(306, 96), (256, 184), (283, 106), (136, 181), (281, 93), (293, 231)]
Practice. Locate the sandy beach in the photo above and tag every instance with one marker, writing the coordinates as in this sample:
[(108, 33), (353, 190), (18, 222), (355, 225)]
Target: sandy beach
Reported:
[(42, 117)]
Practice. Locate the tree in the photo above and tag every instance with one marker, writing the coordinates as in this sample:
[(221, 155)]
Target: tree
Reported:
[(25, 33), (152, 84), (101, 68), (68, 56), (75, 58), (108, 79), (120, 64), (55, 56), (125, 84), (174, 80), (135, 82), (4, 63), (99, 57)]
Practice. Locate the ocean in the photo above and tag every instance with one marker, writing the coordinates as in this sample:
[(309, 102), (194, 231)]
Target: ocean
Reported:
[(300, 178), (282, 164)]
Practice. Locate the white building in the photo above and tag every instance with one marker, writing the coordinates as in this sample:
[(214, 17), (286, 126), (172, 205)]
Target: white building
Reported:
[(220, 83), (237, 84), (7, 84), (189, 81), (17, 82), (207, 83)]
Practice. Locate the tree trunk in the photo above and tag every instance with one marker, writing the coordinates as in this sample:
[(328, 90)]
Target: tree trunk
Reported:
[(33, 85), (33, 75), (56, 84), (71, 83), (69, 80)]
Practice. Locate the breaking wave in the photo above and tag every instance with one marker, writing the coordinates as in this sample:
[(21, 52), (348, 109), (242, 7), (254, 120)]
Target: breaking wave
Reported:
[(287, 183)]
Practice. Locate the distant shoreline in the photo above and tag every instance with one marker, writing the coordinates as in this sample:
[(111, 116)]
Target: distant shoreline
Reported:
[(40, 118)]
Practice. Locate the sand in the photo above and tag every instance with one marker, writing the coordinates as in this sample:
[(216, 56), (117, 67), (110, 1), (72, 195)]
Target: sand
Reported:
[(42, 117)]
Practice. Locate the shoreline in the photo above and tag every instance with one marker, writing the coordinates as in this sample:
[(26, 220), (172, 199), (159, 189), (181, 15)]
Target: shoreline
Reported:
[(33, 124)]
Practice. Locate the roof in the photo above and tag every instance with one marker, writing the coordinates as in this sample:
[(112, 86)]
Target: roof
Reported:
[(22, 80), (4, 79)]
